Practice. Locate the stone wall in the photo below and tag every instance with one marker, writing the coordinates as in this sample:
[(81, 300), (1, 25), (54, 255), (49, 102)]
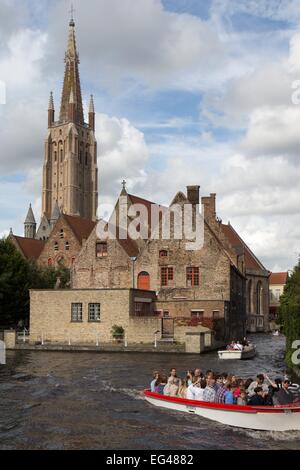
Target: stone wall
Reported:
[(50, 317)]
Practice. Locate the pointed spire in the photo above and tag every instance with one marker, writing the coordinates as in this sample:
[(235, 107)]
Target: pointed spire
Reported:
[(30, 219), (71, 79), (51, 102), (92, 106)]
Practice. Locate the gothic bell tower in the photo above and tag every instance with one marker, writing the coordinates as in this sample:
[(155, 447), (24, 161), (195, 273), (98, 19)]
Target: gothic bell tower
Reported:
[(70, 174)]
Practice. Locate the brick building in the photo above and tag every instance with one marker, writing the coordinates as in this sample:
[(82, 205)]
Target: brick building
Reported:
[(204, 286), (65, 241), (277, 284)]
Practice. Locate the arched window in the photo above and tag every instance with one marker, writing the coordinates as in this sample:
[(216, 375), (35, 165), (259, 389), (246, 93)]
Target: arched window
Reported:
[(144, 281), (67, 246), (163, 253), (61, 234), (56, 246)]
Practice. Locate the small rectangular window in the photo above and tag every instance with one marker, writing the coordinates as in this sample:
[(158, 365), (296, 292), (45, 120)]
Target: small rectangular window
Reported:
[(192, 277), (94, 312), (167, 275), (101, 249), (216, 315), (198, 315), (142, 309), (76, 315)]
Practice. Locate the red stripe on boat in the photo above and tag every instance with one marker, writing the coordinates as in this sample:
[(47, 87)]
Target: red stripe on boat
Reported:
[(294, 407)]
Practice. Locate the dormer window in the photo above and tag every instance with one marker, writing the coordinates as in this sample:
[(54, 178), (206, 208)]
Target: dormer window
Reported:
[(163, 254), (101, 249)]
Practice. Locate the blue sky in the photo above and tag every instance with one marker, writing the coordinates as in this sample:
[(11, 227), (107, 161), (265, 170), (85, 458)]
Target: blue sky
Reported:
[(186, 92)]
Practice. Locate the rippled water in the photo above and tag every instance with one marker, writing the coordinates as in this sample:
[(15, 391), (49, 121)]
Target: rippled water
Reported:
[(94, 401)]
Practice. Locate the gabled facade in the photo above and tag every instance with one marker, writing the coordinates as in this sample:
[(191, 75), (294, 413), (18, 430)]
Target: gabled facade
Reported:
[(65, 241)]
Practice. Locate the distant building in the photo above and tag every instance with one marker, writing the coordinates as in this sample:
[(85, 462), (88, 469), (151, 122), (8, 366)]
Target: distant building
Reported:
[(29, 248), (277, 284)]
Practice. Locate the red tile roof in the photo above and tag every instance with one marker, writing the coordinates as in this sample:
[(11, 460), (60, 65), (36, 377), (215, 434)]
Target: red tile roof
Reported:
[(251, 262), (279, 278), (30, 247), (82, 228)]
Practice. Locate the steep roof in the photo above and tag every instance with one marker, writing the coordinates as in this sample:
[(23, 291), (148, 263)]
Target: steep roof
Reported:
[(279, 278), (30, 219), (82, 228), (30, 247), (251, 261)]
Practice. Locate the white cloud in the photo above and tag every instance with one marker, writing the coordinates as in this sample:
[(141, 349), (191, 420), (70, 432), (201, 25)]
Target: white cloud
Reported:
[(123, 154)]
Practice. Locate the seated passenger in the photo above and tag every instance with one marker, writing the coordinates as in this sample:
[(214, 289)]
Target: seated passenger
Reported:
[(209, 394), (155, 378), (160, 387), (190, 377), (242, 399), (182, 392), (199, 389), (229, 397), (285, 396), (220, 395), (258, 398), (197, 375), (172, 387), (259, 382)]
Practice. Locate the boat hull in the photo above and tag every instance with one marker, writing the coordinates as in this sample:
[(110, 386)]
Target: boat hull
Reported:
[(283, 418), (229, 354)]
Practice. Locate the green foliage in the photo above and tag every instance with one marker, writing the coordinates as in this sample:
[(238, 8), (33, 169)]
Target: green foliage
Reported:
[(117, 332), (17, 276), (290, 312)]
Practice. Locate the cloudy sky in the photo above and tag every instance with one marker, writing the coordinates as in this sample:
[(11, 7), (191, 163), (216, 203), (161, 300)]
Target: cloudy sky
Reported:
[(186, 92)]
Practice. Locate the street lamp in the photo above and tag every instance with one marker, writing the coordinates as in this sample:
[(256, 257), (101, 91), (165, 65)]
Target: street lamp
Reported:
[(133, 259)]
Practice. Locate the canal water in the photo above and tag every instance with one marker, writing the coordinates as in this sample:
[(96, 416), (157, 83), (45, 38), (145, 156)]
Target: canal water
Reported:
[(93, 401)]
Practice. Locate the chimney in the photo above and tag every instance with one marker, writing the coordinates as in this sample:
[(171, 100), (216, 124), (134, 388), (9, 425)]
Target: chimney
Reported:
[(193, 194), (209, 208)]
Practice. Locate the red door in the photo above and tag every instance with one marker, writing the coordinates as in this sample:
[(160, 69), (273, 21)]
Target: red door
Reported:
[(144, 281)]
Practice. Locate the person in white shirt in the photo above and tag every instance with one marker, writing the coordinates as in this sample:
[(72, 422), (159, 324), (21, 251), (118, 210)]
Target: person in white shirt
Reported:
[(259, 382), (196, 390)]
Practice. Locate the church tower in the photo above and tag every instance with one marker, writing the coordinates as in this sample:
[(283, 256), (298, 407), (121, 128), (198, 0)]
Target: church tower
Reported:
[(70, 174)]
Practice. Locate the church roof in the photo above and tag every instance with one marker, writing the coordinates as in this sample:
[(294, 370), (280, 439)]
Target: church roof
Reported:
[(251, 261), (30, 219), (30, 247), (82, 228)]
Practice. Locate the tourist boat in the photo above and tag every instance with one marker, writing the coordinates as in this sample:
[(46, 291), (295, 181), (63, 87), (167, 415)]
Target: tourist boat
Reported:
[(248, 352), (276, 333), (265, 418)]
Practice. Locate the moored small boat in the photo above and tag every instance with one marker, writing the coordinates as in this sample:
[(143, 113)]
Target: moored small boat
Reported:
[(248, 352), (265, 418)]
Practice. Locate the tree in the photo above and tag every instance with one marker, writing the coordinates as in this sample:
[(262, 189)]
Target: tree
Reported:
[(290, 312), (17, 276)]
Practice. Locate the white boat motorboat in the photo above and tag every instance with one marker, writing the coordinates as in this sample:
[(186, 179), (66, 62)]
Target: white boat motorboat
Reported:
[(276, 333), (248, 352), (264, 418)]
